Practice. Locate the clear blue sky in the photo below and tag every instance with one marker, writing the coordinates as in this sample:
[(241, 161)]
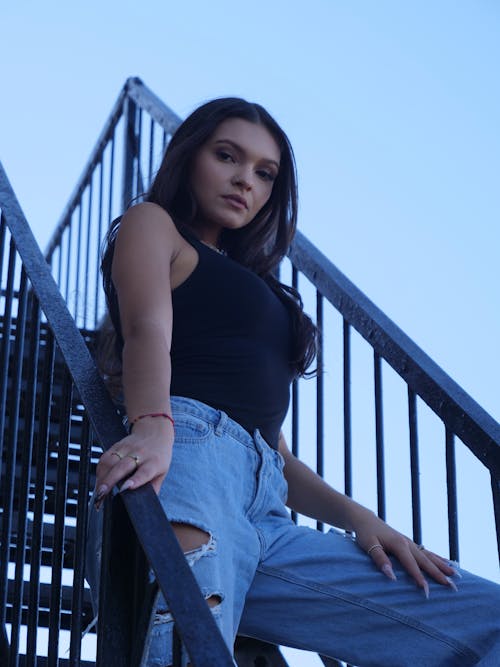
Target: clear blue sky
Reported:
[(392, 107)]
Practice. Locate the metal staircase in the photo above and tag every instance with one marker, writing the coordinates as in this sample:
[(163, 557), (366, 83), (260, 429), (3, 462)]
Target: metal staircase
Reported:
[(55, 416)]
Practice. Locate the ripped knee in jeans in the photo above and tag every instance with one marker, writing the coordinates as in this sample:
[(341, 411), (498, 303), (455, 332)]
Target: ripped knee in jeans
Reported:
[(197, 543)]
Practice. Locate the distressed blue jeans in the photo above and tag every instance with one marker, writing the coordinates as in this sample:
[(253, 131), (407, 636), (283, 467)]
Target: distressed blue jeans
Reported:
[(296, 586)]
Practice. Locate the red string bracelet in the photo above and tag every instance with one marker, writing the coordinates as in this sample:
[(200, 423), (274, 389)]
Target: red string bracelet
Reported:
[(152, 414)]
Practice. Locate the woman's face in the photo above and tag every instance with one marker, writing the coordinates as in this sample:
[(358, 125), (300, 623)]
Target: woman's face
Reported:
[(232, 176)]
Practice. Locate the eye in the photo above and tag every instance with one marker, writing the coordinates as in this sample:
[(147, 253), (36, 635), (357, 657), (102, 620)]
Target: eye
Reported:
[(224, 156), (266, 175)]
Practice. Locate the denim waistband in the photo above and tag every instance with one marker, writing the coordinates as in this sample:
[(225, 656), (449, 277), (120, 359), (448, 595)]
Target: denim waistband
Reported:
[(220, 421)]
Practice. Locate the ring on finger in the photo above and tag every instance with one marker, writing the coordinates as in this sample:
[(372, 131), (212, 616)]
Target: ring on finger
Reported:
[(135, 459), (117, 454), (375, 546)]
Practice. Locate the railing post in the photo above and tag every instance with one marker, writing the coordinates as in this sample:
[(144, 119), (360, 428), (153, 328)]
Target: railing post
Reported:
[(125, 596), (129, 152), (495, 489), (4, 646)]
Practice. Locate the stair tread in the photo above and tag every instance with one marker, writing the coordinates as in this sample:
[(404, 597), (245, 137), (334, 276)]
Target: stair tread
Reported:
[(42, 661)]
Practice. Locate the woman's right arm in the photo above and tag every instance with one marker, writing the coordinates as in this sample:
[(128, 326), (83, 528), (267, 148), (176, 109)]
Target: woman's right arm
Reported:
[(146, 245)]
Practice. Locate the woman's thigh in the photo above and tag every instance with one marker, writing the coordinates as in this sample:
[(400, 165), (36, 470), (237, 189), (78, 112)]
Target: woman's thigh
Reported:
[(209, 487), (320, 592)]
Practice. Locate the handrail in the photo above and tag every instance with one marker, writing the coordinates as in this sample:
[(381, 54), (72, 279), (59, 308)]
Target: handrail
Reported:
[(93, 160), (147, 100), (466, 418), (195, 622)]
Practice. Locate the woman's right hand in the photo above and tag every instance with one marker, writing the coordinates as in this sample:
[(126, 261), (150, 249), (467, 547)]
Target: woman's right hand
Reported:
[(141, 457)]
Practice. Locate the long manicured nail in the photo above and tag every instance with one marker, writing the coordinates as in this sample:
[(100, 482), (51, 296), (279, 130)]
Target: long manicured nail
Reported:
[(389, 572), (127, 485), (456, 573), (101, 491), (452, 584), (425, 587)]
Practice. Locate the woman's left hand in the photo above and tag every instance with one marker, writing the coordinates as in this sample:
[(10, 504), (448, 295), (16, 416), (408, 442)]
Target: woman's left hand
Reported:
[(309, 494), (378, 540)]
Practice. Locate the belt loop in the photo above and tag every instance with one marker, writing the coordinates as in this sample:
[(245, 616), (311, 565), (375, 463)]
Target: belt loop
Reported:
[(219, 426), (259, 441)]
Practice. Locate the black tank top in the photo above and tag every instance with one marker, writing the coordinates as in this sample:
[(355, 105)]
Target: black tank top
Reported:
[(231, 343)]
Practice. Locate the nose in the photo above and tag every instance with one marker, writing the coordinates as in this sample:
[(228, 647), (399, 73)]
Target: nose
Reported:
[(242, 179)]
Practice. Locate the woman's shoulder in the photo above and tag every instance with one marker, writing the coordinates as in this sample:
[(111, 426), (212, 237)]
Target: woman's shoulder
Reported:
[(146, 213), (148, 229), (151, 223)]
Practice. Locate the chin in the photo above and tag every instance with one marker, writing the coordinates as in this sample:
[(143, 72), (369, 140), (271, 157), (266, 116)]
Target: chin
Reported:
[(236, 227), (234, 224)]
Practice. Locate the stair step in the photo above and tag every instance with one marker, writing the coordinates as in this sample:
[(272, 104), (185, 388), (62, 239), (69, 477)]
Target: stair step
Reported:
[(44, 605), (42, 661), (250, 652), (47, 543), (50, 490)]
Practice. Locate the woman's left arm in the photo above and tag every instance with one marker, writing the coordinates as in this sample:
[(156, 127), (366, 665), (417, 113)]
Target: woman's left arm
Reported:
[(310, 495)]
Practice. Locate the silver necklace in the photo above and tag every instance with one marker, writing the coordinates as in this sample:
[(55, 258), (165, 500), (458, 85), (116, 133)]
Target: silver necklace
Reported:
[(214, 247)]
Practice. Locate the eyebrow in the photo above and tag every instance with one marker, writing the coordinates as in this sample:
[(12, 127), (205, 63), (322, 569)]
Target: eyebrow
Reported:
[(242, 150)]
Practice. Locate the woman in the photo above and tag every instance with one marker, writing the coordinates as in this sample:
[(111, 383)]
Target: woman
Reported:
[(209, 342)]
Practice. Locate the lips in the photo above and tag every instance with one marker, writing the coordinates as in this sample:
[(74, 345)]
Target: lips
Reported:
[(237, 200)]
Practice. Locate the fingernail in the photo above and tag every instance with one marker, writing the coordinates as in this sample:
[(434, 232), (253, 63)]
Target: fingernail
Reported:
[(101, 491), (98, 503), (456, 573), (452, 584), (127, 485), (425, 587), (389, 572)]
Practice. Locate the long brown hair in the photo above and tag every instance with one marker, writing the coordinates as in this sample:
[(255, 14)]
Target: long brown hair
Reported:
[(260, 245)]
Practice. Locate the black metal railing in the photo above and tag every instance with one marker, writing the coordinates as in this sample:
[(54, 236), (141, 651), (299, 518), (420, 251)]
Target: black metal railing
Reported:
[(459, 418), (55, 416), (389, 426), (119, 170)]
